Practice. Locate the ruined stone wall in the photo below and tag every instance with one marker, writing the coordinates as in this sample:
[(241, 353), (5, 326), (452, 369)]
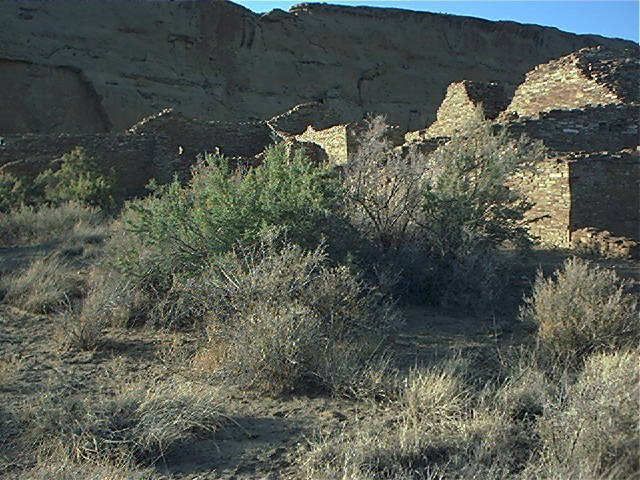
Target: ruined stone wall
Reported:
[(194, 136), (587, 78), (603, 128), (548, 189), (605, 192), (333, 140), (467, 102), (136, 159)]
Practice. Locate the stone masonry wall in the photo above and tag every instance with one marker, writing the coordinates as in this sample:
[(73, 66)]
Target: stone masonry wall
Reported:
[(548, 189), (605, 192), (465, 102), (587, 78), (333, 140), (136, 158), (233, 139), (592, 129)]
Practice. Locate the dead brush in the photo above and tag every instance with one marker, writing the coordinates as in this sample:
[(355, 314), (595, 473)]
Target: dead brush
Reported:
[(45, 286), (140, 423), (583, 308)]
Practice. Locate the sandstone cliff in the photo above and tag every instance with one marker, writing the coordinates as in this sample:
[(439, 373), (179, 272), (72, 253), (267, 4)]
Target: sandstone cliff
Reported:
[(100, 66)]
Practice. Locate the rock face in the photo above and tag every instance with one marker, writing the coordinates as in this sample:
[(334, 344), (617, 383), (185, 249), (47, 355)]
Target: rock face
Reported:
[(81, 67)]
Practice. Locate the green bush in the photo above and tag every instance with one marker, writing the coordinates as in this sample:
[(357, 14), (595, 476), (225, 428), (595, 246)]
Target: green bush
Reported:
[(13, 192), (282, 321), (181, 228), (82, 178), (582, 309)]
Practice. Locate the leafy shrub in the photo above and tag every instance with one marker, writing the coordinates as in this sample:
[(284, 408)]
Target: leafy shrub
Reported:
[(82, 178), (582, 309), (281, 321), (12, 192), (140, 423), (593, 432), (182, 228)]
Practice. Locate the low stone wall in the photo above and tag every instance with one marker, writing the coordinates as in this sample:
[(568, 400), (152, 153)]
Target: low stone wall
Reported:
[(137, 159), (194, 136)]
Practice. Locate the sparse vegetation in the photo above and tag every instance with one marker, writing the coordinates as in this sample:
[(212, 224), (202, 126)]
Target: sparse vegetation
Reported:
[(285, 322), (70, 222), (289, 280), (582, 309), (80, 178), (140, 423), (47, 285)]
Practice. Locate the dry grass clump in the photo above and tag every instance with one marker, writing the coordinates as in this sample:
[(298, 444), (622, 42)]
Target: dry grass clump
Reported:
[(582, 309), (140, 423), (593, 431), (68, 222), (283, 321), (60, 468), (46, 285), (438, 428)]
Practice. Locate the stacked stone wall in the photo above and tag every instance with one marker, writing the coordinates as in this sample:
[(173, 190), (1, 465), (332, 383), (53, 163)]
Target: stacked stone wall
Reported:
[(467, 102), (547, 188), (333, 140), (194, 136), (611, 127), (568, 84), (605, 193), (136, 159)]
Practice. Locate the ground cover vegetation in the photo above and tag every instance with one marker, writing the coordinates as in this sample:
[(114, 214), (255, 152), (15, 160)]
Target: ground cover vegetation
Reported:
[(367, 311)]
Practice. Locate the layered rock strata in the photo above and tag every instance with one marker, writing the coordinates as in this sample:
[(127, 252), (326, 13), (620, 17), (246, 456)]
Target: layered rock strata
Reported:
[(80, 67)]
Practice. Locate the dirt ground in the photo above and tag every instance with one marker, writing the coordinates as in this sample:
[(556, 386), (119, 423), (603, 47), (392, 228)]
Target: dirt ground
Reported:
[(263, 437)]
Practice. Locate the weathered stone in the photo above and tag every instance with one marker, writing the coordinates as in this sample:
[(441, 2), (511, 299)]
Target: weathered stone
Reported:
[(96, 66)]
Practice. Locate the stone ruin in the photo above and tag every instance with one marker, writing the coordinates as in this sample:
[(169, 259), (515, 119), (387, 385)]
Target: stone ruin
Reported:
[(584, 107)]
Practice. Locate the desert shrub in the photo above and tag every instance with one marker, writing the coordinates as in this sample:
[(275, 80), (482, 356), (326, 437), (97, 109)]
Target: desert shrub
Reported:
[(283, 321), (583, 308), (80, 177), (140, 423), (384, 190), (12, 192), (75, 330), (439, 218), (187, 226), (49, 283), (408, 439), (67, 222), (593, 431)]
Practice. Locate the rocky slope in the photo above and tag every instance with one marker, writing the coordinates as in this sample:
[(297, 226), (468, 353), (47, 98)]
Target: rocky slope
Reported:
[(99, 66)]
